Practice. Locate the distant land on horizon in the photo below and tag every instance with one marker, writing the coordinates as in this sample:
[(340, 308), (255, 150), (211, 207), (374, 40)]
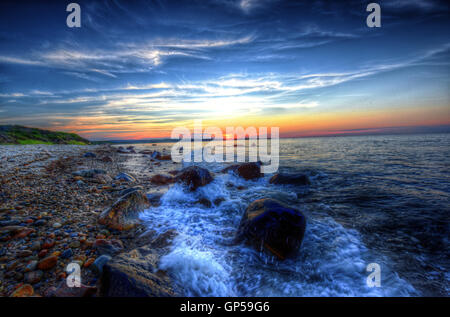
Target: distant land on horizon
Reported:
[(16, 134)]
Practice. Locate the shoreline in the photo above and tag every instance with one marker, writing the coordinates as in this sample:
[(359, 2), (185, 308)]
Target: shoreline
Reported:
[(48, 213)]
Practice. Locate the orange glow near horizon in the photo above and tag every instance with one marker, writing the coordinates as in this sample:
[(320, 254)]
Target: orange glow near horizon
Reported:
[(293, 125)]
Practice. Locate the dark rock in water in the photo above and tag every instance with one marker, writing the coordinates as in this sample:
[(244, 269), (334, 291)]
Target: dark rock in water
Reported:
[(155, 198), (289, 179), (194, 177), (161, 179), (88, 173), (218, 201), (99, 263), (205, 202), (89, 155), (247, 171), (164, 240), (269, 224), (135, 274), (125, 177), (123, 214)]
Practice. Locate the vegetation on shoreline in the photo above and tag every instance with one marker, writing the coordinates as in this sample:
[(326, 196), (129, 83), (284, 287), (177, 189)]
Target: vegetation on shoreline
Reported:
[(16, 134)]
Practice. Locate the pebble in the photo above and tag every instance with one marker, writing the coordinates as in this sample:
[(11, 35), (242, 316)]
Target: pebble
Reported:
[(33, 277), (75, 244), (23, 291), (31, 266), (47, 263), (67, 254), (57, 225)]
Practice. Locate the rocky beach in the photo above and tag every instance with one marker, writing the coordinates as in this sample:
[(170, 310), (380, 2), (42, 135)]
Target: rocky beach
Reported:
[(52, 198)]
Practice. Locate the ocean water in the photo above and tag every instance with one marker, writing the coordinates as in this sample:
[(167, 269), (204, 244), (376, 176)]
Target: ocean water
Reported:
[(372, 199)]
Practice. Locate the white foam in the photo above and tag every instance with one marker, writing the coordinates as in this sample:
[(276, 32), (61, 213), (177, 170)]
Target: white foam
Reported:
[(204, 262)]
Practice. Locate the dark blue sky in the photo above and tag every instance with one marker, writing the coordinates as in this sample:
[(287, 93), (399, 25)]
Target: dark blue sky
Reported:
[(139, 68)]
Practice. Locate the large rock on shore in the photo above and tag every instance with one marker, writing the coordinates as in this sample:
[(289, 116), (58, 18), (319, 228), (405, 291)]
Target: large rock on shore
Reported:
[(194, 177), (135, 274), (123, 214), (289, 179), (271, 225), (247, 171)]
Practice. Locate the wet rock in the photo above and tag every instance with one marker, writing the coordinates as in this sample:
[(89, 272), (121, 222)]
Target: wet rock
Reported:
[(123, 214), (164, 240), (133, 274), (289, 179), (205, 202), (89, 173), (218, 201), (271, 225), (194, 177), (89, 155), (56, 225), (124, 177), (108, 247), (251, 170), (33, 277), (155, 198), (161, 179), (47, 263), (99, 263)]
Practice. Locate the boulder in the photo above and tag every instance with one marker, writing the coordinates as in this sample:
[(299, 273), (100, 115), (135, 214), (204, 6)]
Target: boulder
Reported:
[(161, 179), (123, 214), (135, 274), (194, 177), (268, 224), (251, 170), (289, 179)]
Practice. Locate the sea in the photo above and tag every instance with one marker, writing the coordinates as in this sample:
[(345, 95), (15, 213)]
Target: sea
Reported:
[(374, 202)]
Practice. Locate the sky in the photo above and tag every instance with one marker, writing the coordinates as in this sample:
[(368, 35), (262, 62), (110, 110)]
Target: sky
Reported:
[(138, 69)]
